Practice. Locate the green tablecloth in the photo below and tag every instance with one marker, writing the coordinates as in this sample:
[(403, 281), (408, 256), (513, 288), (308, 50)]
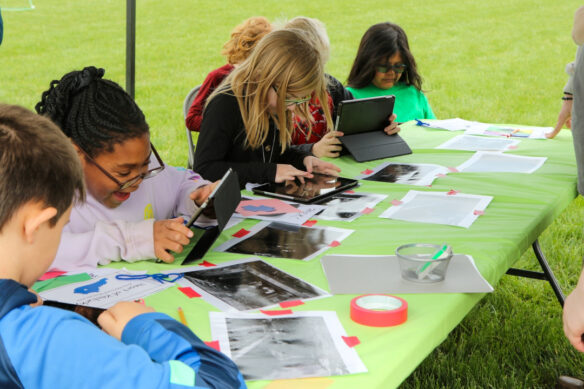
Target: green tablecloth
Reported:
[(523, 206)]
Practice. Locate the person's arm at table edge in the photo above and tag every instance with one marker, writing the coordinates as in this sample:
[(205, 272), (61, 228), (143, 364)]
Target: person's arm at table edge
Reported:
[(578, 28), (573, 315)]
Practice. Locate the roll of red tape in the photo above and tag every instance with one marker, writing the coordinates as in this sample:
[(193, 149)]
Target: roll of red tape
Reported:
[(379, 310)]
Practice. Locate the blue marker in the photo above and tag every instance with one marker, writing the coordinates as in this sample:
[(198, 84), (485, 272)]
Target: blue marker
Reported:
[(91, 288)]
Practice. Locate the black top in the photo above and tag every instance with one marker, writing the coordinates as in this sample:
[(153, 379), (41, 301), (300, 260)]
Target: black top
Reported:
[(337, 92), (221, 145)]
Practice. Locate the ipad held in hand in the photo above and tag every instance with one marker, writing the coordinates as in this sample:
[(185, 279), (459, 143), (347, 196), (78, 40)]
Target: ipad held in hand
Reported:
[(362, 121), (225, 199), (312, 191)]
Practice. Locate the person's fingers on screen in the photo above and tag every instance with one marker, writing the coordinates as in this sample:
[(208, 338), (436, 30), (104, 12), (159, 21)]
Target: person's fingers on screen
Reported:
[(200, 194), (114, 320), (569, 123), (308, 163), (325, 167), (289, 172)]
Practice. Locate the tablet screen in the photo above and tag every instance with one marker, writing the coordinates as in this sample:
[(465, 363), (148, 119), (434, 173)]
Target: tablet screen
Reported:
[(312, 190)]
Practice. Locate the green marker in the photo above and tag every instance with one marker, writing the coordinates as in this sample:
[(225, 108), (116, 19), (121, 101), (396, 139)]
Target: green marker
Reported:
[(427, 268)]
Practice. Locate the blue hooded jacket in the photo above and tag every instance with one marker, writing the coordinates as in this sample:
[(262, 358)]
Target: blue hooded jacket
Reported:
[(46, 347)]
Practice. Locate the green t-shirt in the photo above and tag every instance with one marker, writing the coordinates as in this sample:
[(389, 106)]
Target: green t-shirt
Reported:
[(410, 103)]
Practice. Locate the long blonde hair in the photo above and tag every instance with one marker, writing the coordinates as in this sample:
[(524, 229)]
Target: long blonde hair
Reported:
[(284, 59)]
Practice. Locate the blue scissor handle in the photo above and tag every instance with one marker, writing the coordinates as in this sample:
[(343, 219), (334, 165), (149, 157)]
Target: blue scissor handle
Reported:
[(421, 123), (162, 278)]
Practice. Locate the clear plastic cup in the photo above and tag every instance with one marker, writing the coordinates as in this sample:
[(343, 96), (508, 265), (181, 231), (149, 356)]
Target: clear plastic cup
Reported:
[(423, 262)]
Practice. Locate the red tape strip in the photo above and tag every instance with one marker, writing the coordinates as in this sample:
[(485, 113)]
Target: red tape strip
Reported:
[(51, 274), (351, 341), (241, 233), (291, 303), (276, 313), (214, 344), (309, 223), (207, 264), (367, 210), (189, 292)]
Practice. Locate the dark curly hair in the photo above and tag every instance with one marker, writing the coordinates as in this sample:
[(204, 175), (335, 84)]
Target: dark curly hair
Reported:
[(380, 42), (94, 113)]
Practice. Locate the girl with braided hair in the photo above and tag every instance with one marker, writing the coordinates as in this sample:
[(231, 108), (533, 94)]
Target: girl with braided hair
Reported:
[(133, 197)]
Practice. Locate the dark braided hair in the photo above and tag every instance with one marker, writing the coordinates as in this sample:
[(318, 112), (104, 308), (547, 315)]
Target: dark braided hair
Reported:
[(95, 113)]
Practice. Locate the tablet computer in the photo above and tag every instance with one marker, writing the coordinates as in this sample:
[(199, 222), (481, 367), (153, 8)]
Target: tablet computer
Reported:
[(364, 115), (313, 190), (362, 122), (225, 198)]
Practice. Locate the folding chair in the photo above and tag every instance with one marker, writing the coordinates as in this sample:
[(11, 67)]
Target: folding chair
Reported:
[(186, 105)]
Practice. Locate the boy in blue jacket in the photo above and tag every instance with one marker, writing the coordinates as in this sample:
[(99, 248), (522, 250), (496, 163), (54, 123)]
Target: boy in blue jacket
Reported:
[(45, 347)]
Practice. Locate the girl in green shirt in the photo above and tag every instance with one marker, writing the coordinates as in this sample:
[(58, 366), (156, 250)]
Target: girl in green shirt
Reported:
[(384, 66)]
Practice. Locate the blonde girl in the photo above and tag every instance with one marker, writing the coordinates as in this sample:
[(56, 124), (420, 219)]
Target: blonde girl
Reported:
[(248, 121)]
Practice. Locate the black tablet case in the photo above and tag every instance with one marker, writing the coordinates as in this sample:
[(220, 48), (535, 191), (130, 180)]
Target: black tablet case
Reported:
[(225, 202), (362, 121)]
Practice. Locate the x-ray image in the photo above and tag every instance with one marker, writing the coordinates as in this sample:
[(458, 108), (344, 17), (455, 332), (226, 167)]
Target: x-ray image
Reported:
[(285, 241), (251, 284), (349, 206), (307, 344), (405, 173)]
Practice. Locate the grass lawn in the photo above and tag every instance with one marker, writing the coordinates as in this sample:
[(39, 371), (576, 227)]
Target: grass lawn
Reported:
[(493, 61)]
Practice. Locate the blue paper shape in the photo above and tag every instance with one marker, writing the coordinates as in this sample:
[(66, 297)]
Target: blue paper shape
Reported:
[(258, 208), (91, 288)]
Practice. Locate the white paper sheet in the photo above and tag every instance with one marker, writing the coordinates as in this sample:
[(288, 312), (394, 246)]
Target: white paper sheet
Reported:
[(455, 124), (248, 285), (105, 290), (491, 161), (285, 241), (405, 173), (297, 345), (476, 143), (359, 274), (452, 208), (349, 206), (511, 131)]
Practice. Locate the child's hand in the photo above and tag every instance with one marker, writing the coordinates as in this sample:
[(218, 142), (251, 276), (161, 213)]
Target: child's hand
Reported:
[(39, 301), (315, 165), (288, 173), (328, 146), (393, 127), (573, 318), (170, 235), (200, 194), (114, 320)]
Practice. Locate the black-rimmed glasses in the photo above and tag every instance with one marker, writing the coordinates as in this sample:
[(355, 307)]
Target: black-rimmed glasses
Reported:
[(289, 102), (397, 68), (126, 184)]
